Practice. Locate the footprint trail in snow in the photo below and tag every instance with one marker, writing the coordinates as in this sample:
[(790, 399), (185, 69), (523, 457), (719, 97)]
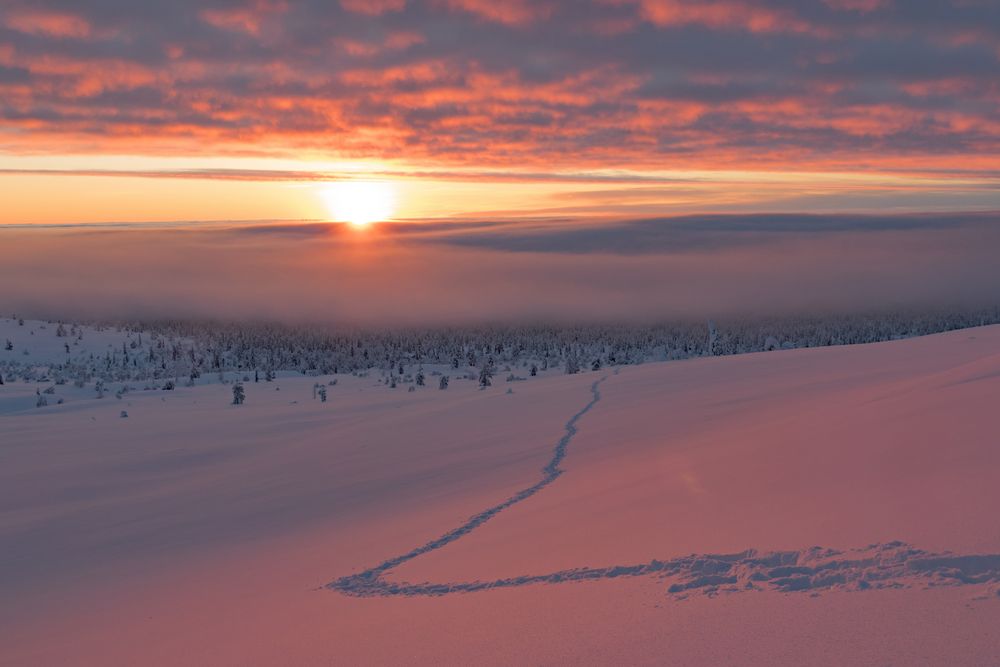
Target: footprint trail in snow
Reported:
[(888, 565)]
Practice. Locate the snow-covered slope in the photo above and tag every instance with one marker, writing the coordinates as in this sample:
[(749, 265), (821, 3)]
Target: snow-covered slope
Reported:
[(44, 343), (839, 504)]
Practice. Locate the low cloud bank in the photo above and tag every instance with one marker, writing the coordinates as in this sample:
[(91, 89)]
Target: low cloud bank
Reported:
[(410, 273)]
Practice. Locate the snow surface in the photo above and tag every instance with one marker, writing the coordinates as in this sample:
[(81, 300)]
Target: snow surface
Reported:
[(820, 506)]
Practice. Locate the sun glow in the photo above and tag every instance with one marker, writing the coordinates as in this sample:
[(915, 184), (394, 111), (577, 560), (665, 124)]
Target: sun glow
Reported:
[(360, 202)]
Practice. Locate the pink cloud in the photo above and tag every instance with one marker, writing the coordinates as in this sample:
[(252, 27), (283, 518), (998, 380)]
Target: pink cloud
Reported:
[(729, 14), (51, 23), (864, 6), (404, 39), (243, 19), (373, 7), (510, 12)]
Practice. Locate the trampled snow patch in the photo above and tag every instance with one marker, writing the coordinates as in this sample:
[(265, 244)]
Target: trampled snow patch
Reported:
[(888, 565), (812, 570)]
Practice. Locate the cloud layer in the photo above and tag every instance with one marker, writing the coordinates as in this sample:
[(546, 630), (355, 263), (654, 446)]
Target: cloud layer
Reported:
[(643, 83), (703, 266)]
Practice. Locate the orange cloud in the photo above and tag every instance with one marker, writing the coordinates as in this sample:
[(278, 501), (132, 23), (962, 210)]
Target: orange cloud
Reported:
[(510, 12), (51, 23), (243, 19), (723, 14), (858, 5), (373, 7), (404, 39)]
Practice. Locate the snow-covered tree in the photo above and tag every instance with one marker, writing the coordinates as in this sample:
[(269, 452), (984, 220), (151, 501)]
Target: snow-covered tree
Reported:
[(572, 363), (485, 375)]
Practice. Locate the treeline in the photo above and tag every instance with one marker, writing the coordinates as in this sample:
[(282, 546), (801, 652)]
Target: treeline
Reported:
[(172, 352)]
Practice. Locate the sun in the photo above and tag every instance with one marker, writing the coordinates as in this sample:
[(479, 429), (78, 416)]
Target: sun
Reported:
[(360, 202)]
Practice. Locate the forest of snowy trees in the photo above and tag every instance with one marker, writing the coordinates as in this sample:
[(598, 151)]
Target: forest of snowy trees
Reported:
[(172, 353)]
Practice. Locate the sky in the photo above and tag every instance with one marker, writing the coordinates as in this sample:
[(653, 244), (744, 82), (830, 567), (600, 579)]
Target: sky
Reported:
[(556, 129), (245, 109)]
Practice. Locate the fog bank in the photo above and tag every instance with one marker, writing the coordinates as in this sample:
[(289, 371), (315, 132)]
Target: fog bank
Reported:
[(474, 271)]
